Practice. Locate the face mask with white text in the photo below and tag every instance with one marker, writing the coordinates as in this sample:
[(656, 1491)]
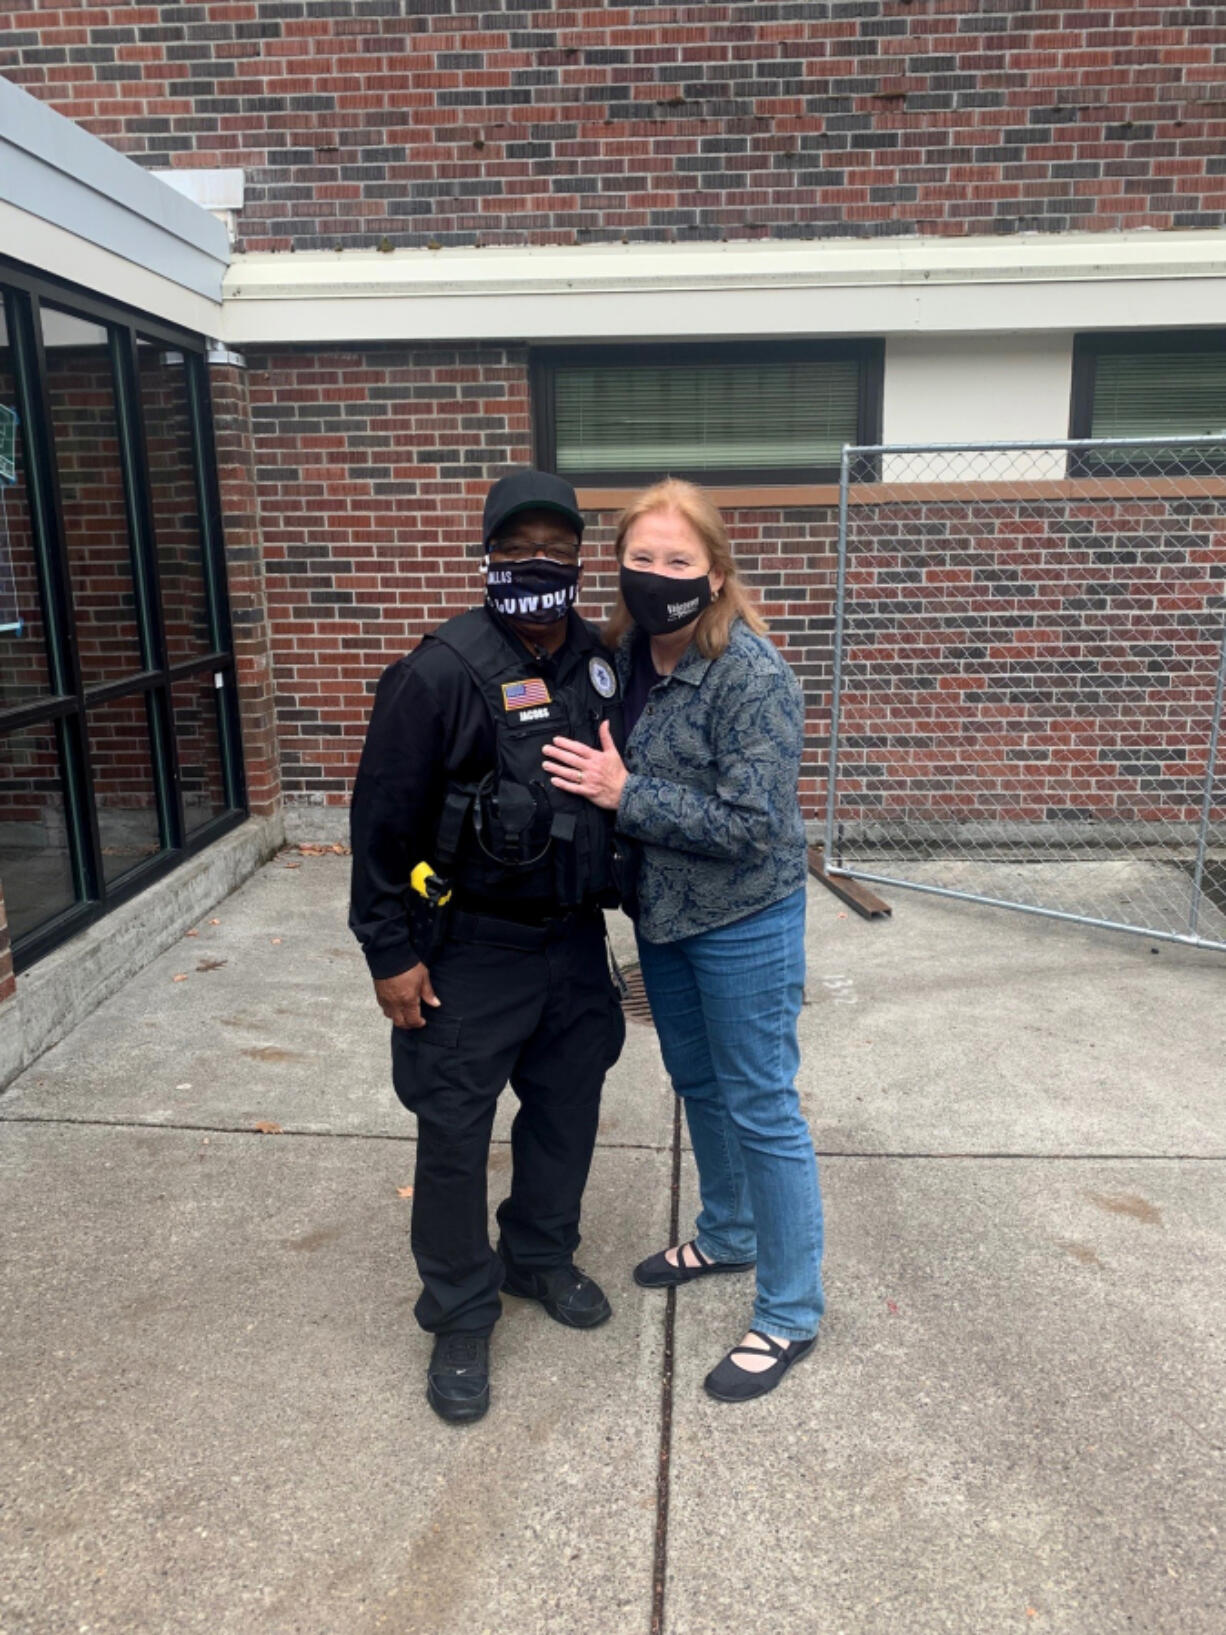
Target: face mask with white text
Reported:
[(534, 592), (658, 603)]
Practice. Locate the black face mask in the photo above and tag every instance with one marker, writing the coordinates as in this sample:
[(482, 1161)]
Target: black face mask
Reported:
[(534, 592), (658, 604)]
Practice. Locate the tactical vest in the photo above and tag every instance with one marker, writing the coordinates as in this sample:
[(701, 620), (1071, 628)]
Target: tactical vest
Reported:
[(512, 834)]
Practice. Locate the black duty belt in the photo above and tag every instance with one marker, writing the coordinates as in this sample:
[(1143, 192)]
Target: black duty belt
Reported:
[(466, 927)]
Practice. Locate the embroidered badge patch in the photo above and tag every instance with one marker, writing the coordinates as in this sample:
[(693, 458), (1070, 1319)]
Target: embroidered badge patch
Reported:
[(602, 677), (522, 695)]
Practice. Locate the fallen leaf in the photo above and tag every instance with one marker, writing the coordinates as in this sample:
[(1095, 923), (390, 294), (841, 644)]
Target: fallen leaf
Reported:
[(275, 941), (404, 1192), (267, 1127), (892, 1308), (191, 933), (271, 1053), (341, 851), (1128, 1203), (182, 977), (293, 865), (840, 915), (211, 964), (214, 922)]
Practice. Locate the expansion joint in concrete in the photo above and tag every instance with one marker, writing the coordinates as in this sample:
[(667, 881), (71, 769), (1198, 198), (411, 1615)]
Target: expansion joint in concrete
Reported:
[(664, 1468), (182, 1126)]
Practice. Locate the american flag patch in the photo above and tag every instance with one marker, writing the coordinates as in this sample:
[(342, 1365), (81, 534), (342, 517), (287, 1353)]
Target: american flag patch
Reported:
[(519, 695)]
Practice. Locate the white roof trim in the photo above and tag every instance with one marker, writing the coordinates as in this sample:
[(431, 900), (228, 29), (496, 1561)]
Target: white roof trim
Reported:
[(1046, 281), (212, 190), (53, 169), (61, 253)]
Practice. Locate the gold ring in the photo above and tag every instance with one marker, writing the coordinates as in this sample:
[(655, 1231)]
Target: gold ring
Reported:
[(579, 777)]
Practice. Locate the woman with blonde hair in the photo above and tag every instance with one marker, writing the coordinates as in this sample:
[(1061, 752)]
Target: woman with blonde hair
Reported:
[(708, 791)]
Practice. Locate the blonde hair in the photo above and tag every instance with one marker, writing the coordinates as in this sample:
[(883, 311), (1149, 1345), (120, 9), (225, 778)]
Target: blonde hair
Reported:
[(700, 511)]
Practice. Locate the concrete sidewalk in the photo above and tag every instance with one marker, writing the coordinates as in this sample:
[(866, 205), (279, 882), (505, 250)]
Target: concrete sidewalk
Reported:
[(214, 1415)]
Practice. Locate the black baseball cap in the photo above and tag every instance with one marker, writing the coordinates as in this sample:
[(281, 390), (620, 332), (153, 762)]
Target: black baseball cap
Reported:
[(529, 490)]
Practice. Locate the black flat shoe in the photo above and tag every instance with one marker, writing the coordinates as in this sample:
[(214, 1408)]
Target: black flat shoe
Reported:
[(567, 1294), (728, 1382), (658, 1272), (458, 1378)]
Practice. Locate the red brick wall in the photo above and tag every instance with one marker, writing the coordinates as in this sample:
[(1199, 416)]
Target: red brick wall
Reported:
[(249, 616), (373, 468), (788, 557), (1032, 661), (411, 122)]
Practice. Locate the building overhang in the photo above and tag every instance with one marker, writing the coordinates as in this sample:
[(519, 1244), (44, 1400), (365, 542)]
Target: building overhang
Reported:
[(72, 207), (1069, 281)]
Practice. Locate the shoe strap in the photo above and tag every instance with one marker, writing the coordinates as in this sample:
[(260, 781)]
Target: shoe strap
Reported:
[(682, 1264), (772, 1348)]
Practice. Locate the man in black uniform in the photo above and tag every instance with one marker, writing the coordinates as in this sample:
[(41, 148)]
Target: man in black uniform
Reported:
[(477, 896)]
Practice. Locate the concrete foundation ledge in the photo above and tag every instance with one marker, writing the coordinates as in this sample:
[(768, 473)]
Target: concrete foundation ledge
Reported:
[(310, 823), (61, 990)]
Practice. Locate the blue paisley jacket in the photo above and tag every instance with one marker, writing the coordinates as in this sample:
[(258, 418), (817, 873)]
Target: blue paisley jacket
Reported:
[(711, 798)]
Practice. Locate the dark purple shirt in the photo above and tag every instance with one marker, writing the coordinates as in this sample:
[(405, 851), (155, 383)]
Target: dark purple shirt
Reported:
[(642, 678)]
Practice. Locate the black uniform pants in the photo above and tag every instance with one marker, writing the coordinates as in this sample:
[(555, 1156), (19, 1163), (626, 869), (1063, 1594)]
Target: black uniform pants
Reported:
[(535, 1008)]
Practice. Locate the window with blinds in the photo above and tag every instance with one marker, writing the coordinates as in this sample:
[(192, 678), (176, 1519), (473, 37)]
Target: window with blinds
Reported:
[(765, 415), (1170, 386)]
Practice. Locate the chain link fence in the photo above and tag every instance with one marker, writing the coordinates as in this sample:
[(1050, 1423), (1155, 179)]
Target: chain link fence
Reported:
[(1030, 653)]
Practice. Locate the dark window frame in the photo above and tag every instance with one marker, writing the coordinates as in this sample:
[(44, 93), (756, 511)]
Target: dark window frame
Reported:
[(870, 353), (1087, 349), (65, 708)]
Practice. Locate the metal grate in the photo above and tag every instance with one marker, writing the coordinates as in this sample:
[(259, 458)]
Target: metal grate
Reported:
[(634, 1001)]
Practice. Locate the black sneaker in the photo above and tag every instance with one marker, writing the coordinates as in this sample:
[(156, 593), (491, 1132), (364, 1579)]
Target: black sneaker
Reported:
[(566, 1292), (458, 1378)]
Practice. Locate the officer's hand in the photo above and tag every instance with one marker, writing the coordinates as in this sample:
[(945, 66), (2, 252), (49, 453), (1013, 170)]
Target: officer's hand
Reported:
[(598, 774), (401, 997)]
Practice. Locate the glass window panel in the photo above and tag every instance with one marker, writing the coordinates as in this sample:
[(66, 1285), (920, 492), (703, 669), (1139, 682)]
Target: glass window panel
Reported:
[(1159, 394), (35, 862), (172, 491), (24, 673), (705, 416), (199, 742), (121, 766), (80, 388)]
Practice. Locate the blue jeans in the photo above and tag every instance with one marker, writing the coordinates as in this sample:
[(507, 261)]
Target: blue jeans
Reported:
[(725, 1004)]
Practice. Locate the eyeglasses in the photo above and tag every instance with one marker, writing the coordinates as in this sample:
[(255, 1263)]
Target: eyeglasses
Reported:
[(513, 549)]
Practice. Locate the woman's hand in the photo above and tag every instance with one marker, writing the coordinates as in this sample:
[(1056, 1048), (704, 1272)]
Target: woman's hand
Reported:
[(597, 774)]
